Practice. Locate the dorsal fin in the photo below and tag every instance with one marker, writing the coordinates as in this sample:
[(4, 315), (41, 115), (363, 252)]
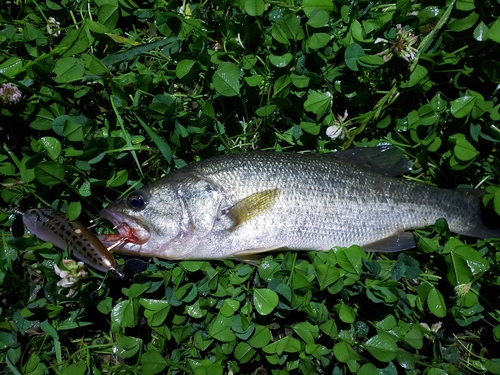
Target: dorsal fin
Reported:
[(386, 160)]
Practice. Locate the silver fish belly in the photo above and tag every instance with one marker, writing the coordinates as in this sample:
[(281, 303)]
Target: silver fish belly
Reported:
[(242, 204)]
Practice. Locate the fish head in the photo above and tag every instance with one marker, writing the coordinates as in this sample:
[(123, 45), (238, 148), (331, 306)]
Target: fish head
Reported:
[(147, 220)]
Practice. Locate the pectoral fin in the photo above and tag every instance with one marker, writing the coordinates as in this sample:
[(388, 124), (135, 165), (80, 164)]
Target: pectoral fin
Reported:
[(252, 206), (399, 241)]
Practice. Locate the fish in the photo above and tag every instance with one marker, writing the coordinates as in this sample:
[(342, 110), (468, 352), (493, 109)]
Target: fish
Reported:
[(53, 226), (242, 204)]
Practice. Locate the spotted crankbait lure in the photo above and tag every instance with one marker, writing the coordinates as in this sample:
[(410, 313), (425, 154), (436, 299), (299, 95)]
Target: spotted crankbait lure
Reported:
[(53, 226)]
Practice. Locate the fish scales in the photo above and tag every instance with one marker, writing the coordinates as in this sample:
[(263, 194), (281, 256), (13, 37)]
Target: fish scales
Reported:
[(316, 202)]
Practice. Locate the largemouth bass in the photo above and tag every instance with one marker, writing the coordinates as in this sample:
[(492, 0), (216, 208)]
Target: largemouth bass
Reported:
[(237, 205), (53, 226)]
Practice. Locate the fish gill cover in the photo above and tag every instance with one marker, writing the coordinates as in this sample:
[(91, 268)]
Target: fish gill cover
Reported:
[(98, 99)]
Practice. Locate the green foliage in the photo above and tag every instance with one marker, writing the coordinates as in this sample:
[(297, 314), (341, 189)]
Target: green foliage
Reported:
[(115, 94)]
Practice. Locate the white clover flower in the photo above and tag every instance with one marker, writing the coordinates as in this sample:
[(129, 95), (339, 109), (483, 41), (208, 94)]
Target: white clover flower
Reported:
[(435, 328), (339, 127), (403, 45), (71, 276), (462, 289), (335, 131), (9, 94), (53, 27)]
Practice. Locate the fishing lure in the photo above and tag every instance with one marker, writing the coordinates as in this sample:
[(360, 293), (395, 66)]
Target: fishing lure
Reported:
[(53, 226)]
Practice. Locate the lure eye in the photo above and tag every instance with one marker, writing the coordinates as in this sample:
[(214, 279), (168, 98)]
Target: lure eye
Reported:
[(136, 202)]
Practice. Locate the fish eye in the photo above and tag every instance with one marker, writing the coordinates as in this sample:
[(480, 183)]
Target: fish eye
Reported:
[(136, 202)]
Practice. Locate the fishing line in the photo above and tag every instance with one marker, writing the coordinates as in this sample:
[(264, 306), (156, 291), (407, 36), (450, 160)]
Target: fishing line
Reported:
[(94, 293), (94, 222), (132, 266)]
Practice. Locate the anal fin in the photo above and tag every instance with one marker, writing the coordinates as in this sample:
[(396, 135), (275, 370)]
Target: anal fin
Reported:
[(398, 241), (251, 256)]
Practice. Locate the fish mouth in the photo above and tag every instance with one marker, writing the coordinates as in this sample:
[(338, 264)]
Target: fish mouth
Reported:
[(130, 231)]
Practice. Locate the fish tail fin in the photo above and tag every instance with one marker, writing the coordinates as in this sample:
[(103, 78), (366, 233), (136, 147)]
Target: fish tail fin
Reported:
[(484, 222), (489, 223)]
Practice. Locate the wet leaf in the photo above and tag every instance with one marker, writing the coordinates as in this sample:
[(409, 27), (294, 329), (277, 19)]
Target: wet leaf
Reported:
[(126, 346), (153, 362), (494, 31), (265, 111), (306, 331), (11, 66), (462, 106), (464, 23), (346, 313), (415, 337), (464, 150), (78, 368), (49, 173), (351, 259), (476, 263), (352, 55), (68, 69), (265, 300), (52, 146), (312, 6), (344, 352), (326, 275), (220, 329), (317, 103), (261, 337), (318, 19), (382, 346), (481, 32), (226, 80), (436, 303), (281, 61), (108, 15), (255, 7), (74, 211), (244, 352), (184, 67), (318, 40)]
